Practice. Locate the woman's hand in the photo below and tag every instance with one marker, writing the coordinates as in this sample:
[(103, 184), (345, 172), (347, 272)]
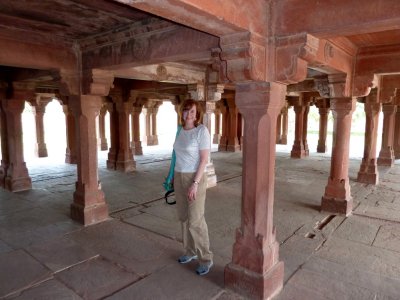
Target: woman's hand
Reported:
[(192, 192)]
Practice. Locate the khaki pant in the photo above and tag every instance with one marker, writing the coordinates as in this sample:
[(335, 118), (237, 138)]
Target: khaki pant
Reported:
[(191, 215)]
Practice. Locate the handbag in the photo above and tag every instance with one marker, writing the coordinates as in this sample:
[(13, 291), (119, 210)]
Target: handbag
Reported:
[(169, 180)]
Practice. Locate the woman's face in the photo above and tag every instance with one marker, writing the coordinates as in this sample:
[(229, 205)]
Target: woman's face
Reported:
[(189, 115)]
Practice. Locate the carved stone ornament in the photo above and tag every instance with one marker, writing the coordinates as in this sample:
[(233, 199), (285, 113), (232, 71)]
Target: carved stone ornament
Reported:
[(329, 52), (162, 72), (196, 92), (215, 92), (322, 86)]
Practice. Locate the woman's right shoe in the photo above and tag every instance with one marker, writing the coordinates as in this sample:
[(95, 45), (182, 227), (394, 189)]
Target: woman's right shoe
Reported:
[(184, 259)]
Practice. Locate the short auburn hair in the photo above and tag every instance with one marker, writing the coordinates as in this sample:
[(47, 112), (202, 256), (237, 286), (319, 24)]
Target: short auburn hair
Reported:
[(187, 105)]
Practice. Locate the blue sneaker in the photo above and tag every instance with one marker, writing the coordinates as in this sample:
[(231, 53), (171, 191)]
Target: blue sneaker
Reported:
[(184, 259), (203, 269)]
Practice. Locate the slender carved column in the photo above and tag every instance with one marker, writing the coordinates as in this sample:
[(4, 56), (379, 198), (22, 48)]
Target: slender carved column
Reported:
[(125, 161), (102, 128), (278, 128), (298, 146), (89, 205), (147, 115), (323, 110), (386, 155), (225, 123), (136, 143), (285, 121), (396, 141), (114, 137), (255, 268), (305, 129), (70, 152), (233, 140), (17, 176), (154, 135), (39, 109), (337, 197), (217, 134), (5, 157), (369, 169)]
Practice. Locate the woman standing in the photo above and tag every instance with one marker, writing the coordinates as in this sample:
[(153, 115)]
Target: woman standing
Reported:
[(192, 148)]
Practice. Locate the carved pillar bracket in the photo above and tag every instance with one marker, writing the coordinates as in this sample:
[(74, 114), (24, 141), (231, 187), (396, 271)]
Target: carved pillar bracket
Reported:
[(255, 269), (337, 197), (386, 155), (369, 170)]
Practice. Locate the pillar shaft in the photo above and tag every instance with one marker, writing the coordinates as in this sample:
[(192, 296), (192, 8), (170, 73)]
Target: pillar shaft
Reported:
[(224, 137), (124, 160), (154, 135), (209, 108), (255, 269), (386, 155), (285, 121), (102, 129), (147, 115), (369, 170), (89, 205), (305, 129), (136, 143), (337, 197), (70, 152), (217, 134), (278, 128), (17, 177), (232, 140), (5, 157), (298, 146), (323, 129), (114, 137), (41, 149)]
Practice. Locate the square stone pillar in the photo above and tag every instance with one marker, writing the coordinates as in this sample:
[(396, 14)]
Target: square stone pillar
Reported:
[(337, 197), (369, 169), (255, 270), (39, 109), (135, 130), (5, 156), (323, 110), (224, 137), (285, 122), (386, 155), (217, 133), (298, 146), (125, 161), (89, 206), (147, 117), (17, 176), (278, 128), (154, 134), (102, 128), (114, 137), (70, 152), (233, 144), (305, 129)]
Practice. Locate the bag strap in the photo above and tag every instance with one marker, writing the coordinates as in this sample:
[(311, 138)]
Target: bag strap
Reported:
[(166, 198)]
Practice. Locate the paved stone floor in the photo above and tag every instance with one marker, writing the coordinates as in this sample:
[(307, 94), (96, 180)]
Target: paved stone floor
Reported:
[(46, 255)]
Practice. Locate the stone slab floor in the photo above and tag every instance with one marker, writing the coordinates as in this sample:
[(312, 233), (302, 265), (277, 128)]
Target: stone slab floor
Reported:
[(46, 255)]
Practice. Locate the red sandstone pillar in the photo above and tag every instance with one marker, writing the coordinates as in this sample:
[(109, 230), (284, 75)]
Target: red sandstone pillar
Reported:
[(305, 129), (89, 206), (125, 161), (278, 128), (17, 177), (70, 152), (298, 146), (114, 137), (154, 135), (217, 134), (232, 141), (323, 109), (39, 109), (147, 115), (255, 269), (396, 141), (337, 197), (102, 128), (225, 123), (136, 143), (369, 170), (5, 157), (285, 121), (386, 155)]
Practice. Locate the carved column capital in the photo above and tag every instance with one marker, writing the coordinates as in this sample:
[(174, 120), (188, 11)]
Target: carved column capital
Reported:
[(337, 85), (322, 86), (214, 92), (196, 91)]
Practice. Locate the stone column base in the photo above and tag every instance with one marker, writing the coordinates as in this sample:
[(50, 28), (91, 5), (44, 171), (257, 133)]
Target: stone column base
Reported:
[(386, 161), (254, 285), (154, 139), (298, 153), (126, 166), (216, 138), (90, 214), (137, 148), (396, 154), (321, 148), (70, 159), (41, 151), (233, 148), (337, 206), (370, 178), (18, 184), (103, 146)]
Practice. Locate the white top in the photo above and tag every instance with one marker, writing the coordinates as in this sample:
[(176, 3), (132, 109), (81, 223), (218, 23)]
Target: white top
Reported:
[(187, 148)]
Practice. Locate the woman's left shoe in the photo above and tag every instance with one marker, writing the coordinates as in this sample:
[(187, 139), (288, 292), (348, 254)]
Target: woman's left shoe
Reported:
[(203, 269)]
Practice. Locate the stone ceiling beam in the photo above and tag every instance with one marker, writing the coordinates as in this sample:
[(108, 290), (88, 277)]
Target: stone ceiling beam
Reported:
[(217, 17), (325, 19)]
